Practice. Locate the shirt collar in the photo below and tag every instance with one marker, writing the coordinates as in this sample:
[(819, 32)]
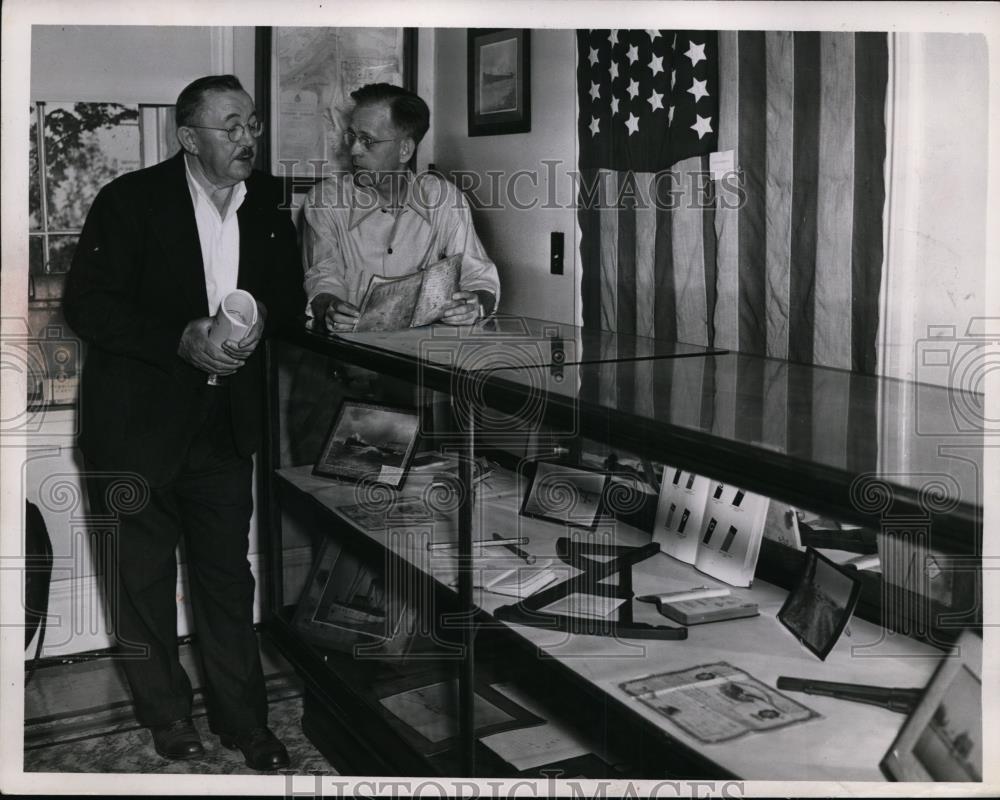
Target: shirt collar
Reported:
[(365, 201), (200, 195)]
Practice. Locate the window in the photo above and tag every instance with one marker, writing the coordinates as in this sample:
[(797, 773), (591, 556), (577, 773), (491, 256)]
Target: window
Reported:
[(74, 150)]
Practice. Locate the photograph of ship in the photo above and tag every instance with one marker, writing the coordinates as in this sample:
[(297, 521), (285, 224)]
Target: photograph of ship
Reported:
[(820, 607), (564, 494), (498, 77), (951, 746), (370, 442)]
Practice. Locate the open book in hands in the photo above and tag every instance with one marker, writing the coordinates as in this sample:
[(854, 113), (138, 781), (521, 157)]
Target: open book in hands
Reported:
[(391, 304)]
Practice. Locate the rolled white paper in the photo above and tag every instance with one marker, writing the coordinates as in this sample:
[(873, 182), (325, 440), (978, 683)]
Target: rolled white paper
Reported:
[(237, 314)]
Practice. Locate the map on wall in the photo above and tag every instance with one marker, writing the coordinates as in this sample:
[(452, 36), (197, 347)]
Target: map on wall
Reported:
[(314, 71)]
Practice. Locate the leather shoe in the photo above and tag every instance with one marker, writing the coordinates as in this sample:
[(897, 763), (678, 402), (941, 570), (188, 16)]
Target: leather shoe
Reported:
[(177, 739), (262, 750)]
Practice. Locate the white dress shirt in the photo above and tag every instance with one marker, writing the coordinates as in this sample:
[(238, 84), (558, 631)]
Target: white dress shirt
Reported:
[(219, 238)]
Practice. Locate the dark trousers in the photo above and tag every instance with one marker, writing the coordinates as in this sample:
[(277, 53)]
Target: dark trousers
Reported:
[(209, 504)]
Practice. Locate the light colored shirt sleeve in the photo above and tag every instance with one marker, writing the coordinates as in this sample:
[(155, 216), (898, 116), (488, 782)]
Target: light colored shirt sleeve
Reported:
[(458, 235), (322, 254)]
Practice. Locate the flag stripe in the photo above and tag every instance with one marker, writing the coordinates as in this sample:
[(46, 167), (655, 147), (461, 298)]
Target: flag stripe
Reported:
[(830, 400), (862, 447), (775, 432), (778, 189), (626, 204), (727, 212), (589, 217), (805, 168), (608, 192), (689, 258), (834, 202), (753, 154), (872, 75), (666, 295), (749, 405), (645, 254), (705, 192)]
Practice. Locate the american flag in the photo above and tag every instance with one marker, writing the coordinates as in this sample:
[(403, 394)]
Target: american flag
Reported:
[(648, 98), (792, 268)]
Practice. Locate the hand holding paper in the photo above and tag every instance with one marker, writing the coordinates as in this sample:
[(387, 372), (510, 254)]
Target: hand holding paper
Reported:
[(197, 348)]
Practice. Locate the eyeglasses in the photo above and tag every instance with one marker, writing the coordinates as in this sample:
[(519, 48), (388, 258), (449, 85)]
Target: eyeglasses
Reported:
[(366, 141), (235, 133)]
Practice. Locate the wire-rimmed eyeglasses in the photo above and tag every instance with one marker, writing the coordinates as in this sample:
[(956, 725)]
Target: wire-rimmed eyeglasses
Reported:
[(235, 132), (366, 141)]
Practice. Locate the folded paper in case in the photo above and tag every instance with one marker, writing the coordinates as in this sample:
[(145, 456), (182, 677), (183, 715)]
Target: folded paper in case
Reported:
[(236, 315)]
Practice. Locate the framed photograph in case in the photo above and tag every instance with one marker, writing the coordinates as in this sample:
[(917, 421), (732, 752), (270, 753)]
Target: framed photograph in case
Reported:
[(565, 494), (348, 605), (371, 442), (426, 709), (818, 609), (942, 739)]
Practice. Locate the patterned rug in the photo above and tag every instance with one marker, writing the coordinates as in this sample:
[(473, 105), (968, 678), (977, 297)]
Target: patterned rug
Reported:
[(78, 718)]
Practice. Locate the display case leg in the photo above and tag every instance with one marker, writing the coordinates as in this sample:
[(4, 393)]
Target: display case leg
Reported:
[(466, 683)]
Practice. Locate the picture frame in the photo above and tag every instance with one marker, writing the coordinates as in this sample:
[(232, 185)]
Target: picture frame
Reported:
[(347, 605), (818, 609), (310, 74), (499, 81), (370, 442), (425, 708), (565, 494), (942, 739)]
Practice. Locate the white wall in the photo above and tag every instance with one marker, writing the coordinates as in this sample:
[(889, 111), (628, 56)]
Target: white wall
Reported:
[(133, 64), (518, 239), (935, 271)]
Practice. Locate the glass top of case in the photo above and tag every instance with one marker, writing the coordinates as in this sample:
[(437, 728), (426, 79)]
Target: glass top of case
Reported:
[(509, 342)]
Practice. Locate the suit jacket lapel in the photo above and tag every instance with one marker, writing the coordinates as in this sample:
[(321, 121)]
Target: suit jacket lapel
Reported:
[(253, 232), (175, 224)]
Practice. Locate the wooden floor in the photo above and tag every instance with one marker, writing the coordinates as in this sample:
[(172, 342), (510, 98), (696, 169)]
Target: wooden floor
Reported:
[(78, 718)]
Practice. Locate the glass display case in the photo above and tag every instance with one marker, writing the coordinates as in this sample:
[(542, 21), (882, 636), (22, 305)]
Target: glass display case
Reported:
[(461, 521)]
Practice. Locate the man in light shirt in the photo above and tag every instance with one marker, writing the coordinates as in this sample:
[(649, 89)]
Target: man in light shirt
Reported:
[(170, 419), (383, 220)]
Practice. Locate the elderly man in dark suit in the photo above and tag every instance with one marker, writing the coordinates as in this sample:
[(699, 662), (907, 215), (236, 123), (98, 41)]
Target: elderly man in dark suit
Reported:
[(160, 250)]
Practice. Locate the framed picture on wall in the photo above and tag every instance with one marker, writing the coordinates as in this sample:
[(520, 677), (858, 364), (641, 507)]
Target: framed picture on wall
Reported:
[(312, 74), (499, 81)]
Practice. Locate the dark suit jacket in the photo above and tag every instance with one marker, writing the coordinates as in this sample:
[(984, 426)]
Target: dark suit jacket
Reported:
[(136, 281)]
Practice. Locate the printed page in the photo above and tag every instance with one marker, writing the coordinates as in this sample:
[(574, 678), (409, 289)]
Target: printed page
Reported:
[(441, 281), (679, 513), (388, 303), (731, 533), (717, 702)]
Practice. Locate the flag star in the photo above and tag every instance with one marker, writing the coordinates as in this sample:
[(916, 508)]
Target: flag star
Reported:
[(595, 91), (696, 52), (656, 65), (698, 89), (670, 116), (632, 123), (614, 70), (595, 126), (613, 38), (633, 54), (673, 43), (633, 88), (653, 35), (614, 106), (593, 56), (656, 101), (702, 125), (673, 78)]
